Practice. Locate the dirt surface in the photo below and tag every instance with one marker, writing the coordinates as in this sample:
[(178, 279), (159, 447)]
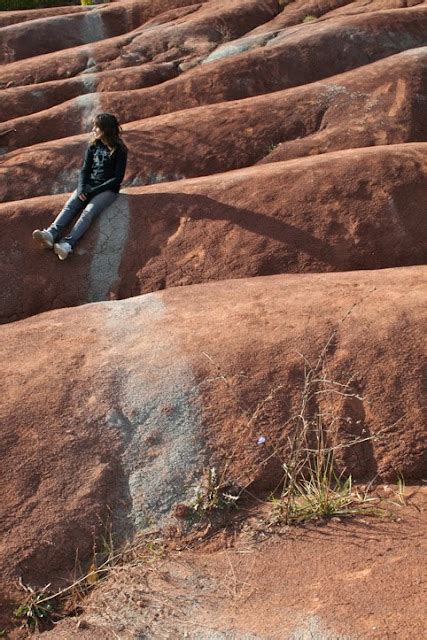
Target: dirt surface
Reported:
[(271, 231), (340, 580)]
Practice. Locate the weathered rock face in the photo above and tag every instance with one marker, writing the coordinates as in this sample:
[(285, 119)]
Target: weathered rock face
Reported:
[(48, 34), (273, 139), (24, 100), (350, 210), (305, 55), (190, 31), (354, 109), (123, 404)]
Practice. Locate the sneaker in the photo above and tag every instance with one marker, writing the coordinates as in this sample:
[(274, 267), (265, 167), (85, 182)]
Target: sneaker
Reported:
[(62, 249), (44, 238)]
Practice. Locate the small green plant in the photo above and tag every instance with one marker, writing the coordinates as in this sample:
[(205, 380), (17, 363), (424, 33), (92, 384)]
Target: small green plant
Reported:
[(213, 494), (310, 18), (104, 557), (400, 490), (224, 31), (272, 148), (86, 3), (40, 608), (36, 611), (320, 495)]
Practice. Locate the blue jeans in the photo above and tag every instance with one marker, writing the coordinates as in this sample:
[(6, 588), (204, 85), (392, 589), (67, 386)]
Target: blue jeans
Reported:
[(88, 211)]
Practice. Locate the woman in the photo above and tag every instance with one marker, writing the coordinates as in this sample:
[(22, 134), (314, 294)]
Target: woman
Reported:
[(99, 183)]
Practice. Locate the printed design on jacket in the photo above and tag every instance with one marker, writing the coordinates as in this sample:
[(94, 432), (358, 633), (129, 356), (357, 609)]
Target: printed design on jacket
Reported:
[(101, 160)]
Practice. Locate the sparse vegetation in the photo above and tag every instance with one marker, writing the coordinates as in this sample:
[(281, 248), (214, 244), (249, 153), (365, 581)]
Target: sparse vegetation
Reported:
[(41, 607), (224, 31), (400, 490), (213, 494), (145, 548), (37, 609), (310, 18), (272, 148), (320, 495), (311, 487)]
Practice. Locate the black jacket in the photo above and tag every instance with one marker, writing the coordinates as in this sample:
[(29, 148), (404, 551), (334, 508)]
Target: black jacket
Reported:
[(102, 170)]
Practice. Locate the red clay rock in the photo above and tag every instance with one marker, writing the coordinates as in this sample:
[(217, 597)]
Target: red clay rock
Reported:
[(48, 31), (378, 104), (189, 32), (306, 54), (21, 101), (393, 110), (122, 403), (15, 17), (343, 211), (324, 10), (47, 35)]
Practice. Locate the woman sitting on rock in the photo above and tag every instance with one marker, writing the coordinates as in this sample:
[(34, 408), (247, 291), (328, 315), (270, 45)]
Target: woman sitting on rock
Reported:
[(99, 183)]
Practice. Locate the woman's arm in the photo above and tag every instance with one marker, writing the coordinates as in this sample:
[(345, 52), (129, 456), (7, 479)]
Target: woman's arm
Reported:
[(83, 187)]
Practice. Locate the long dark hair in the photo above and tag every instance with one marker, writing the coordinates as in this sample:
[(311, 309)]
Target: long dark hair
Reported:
[(111, 130)]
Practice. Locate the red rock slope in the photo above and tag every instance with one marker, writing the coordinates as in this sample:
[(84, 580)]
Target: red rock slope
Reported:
[(277, 168), (120, 405), (341, 211)]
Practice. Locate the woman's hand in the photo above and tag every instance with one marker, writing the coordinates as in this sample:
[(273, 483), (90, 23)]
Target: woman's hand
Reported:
[(82, 197)]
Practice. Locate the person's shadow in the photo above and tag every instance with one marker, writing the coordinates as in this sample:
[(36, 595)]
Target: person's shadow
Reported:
[(166, 209)]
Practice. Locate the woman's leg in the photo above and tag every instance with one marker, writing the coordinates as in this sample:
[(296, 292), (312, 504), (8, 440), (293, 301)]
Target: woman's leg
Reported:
[(47, 237), (89, 214), (71, 209)]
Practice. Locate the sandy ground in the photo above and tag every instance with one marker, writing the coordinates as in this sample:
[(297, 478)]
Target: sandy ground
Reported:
[(343, 579)]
